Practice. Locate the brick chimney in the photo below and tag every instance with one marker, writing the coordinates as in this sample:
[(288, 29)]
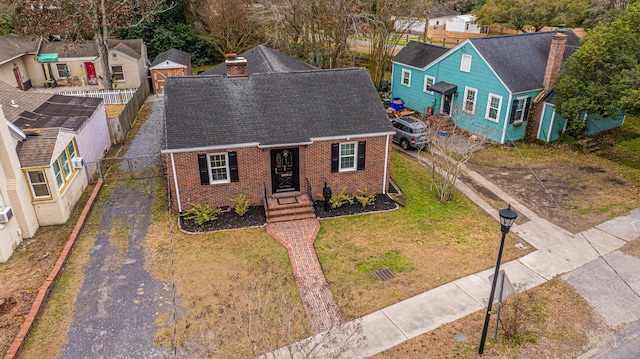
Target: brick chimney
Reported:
[(236, 66), (556, 52)]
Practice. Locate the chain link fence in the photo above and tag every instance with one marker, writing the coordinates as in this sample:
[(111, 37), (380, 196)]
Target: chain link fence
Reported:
[(125, 168)]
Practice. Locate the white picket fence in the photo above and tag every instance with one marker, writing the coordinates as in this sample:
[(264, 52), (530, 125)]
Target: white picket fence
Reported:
[(110, 97)]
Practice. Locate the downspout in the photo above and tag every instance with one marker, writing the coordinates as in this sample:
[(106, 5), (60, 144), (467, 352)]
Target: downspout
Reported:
[(175, 182), (386, 162)]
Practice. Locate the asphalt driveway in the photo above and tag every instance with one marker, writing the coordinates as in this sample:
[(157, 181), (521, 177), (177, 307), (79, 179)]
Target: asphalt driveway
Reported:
[(119, 300)]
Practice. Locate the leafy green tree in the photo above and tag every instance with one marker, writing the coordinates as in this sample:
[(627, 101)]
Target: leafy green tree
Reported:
[(603, 75), (171, 29)]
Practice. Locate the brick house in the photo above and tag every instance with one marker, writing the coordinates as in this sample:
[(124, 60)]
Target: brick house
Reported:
[(274, 132)]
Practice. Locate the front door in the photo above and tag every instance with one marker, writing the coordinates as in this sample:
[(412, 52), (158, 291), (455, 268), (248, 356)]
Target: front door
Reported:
[(91, 73), (16, 73), (446, 104), (285, 175)]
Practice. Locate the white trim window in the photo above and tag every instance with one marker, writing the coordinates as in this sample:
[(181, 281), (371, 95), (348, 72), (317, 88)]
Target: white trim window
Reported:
[(406, 77), (470, 96), (428, 81), (38, 184), (493, 107), (348, 155), (117, 71), (465, 64), (218, 167)]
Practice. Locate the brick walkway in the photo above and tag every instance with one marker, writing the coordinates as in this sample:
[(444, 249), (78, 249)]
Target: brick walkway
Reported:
[(298, 236)]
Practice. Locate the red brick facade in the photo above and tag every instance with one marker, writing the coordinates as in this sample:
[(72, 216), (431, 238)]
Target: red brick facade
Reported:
[(254, 173)]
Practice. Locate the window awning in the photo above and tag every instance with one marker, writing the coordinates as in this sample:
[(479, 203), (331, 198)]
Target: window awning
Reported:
[(444, 88), (51, 57)]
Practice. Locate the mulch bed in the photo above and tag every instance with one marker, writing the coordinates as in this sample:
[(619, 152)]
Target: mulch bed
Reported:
[(255, 217), (383, 203), (228, 220)]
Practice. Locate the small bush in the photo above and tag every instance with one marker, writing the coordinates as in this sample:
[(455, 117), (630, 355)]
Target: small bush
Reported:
[(242, 204), (520, 315), (365, 198), (201, 214), (340, 199)]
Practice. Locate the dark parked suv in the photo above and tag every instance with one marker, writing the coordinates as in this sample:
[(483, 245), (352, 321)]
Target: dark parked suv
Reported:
[(410, 132)]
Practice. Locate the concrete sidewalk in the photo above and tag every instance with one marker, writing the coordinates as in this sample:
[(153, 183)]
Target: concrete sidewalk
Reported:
[(557, 252)]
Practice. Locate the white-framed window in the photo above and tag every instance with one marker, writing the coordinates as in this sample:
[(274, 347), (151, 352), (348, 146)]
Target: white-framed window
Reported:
[(348, 155), (493, 107), (38, 184), (118, 72), (406, 77), (218, 167), (71, 150), (62, 70), (470, 96), (428, 81), (465, 64)]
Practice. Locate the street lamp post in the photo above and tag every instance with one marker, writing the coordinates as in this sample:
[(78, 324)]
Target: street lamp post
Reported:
[(507, 217)]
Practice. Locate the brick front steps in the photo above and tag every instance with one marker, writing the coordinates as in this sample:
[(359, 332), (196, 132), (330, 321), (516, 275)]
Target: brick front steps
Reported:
[(289, 208)]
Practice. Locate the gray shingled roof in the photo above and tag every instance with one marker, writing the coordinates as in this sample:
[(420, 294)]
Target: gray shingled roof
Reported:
[(60, 111), (271, 109), (419, 54), (520, 60), (37, 151), (12, 46), (24, 101), (132, 48), (263, 60), (173, 55)]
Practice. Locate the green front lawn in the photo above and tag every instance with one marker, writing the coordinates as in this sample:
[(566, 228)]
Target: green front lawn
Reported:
[(425, 244)]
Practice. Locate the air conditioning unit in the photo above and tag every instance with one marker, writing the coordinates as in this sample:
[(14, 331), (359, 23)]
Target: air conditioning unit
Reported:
[(77, 162), (5, 215)]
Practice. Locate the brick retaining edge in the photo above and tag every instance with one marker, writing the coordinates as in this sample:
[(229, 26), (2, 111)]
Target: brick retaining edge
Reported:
[(46, 287)]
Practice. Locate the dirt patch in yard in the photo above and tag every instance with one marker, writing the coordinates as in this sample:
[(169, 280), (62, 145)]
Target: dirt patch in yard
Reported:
[(557, 180), (564, 326)]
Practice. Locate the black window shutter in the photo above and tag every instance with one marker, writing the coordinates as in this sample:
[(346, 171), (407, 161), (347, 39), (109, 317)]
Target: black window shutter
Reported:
[(526, 108), (204, 169), (233, 166), (335, 157), (362, 149), (514, 107)]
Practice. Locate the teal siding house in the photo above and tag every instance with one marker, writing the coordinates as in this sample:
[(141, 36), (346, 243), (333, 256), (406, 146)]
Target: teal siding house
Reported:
[(490, 86)]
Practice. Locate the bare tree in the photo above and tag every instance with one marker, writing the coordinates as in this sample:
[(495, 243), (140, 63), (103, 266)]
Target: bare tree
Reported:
[(228, 24), (311, 29), (451, 149), (80, 18), (382, 33), (265, 319)]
